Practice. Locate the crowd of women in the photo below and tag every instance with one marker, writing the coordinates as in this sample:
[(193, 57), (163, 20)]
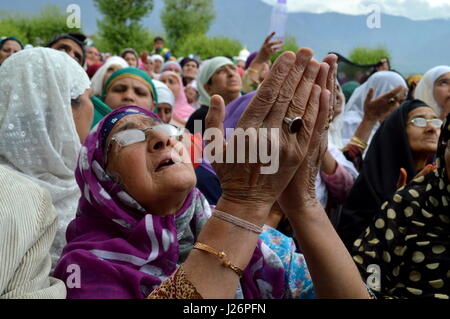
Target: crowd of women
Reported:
[(105, 191)]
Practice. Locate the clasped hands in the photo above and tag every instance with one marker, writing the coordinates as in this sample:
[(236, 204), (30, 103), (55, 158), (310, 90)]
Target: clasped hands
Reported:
[(297, 86)]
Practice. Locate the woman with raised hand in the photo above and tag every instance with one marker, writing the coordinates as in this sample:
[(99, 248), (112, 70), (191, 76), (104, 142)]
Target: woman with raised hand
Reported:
[(408, 239), (144, 226), (248, 195), (401, 148), (370, 104)]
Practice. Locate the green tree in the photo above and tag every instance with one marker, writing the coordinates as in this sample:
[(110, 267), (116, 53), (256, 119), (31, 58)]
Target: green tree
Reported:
[(363, 55), (120, 27), (185, 18), (9, 29), (35, 29), (209, 47)]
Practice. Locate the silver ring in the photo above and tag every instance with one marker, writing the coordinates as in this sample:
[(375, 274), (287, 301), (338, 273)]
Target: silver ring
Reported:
[(293, 124)]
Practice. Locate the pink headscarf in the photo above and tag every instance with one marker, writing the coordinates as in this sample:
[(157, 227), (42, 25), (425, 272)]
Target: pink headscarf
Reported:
[(182, 110)]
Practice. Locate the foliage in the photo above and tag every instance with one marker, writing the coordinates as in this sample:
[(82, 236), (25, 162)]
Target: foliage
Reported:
[(35, 29), (186, 18), (363, 55), (120, 27), (206, 47)]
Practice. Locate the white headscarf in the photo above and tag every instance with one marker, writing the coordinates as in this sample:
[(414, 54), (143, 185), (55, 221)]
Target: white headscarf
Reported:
[(334, 133), (165, 94), (38, 137), (97, 79), (205, 73), (425, 89), (382, 82)]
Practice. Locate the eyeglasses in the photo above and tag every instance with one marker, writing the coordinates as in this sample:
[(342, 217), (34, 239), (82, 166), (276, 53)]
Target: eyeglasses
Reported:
[(133, 136), (421, 122)]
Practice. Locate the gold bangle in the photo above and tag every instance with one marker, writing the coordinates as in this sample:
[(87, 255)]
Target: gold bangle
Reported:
[(358, 140), (222, 256), (362, 147), (253, 70)]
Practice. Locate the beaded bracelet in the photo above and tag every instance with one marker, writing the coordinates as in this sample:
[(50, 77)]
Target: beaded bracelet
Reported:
[(222, 256), (237, 221)]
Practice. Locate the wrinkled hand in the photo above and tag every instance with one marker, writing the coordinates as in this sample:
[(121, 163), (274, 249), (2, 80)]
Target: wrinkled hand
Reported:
[(378, 109), (268, 49), (288, 90), (301, 191)]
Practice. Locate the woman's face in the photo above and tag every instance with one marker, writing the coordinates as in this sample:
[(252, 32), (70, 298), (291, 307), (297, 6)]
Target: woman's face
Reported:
[(158, 65), (172, 82), (131, 59), (93, 55), (173, 68), (442, 93), (422, 140), (161, 168), (165, 112), (340, 98), (191, 94), (9, 48), (225, 82), (129, 91), (83, 114), (149, 65), (111, 69), (190, 70)]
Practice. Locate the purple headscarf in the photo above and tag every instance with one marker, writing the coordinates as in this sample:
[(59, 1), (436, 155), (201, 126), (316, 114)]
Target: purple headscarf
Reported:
[(249, 60), (119, 250)]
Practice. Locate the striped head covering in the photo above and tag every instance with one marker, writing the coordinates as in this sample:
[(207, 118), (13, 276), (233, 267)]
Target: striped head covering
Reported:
[(124, 251)]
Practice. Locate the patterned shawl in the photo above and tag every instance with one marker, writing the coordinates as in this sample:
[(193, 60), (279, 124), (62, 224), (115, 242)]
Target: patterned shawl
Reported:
[(410, 238), (122, 251)]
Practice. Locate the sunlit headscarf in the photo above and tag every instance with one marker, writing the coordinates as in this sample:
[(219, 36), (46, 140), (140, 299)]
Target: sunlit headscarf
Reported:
[(207, 70), (425, 89)]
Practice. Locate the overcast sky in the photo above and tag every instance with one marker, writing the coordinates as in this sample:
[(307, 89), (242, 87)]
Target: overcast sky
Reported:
[(413, 9)]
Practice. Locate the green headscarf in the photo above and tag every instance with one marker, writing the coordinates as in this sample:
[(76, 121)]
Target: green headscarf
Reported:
[(2, 41), (348, 89), (206, 72), (130, 73), (101, 109)]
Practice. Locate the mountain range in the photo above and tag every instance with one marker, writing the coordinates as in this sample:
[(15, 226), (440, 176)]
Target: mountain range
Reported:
[(415, 46)]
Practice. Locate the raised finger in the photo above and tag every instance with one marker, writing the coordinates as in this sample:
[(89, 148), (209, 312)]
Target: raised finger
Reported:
[(369, 95), (267, 94), (294, 93), (322, 77), (303, 92), (269, 37), (392, 93), (309, 118), (321, 120), (214, 122)]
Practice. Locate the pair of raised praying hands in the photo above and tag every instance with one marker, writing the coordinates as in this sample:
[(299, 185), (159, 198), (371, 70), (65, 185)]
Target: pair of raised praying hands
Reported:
[(296, 98)]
